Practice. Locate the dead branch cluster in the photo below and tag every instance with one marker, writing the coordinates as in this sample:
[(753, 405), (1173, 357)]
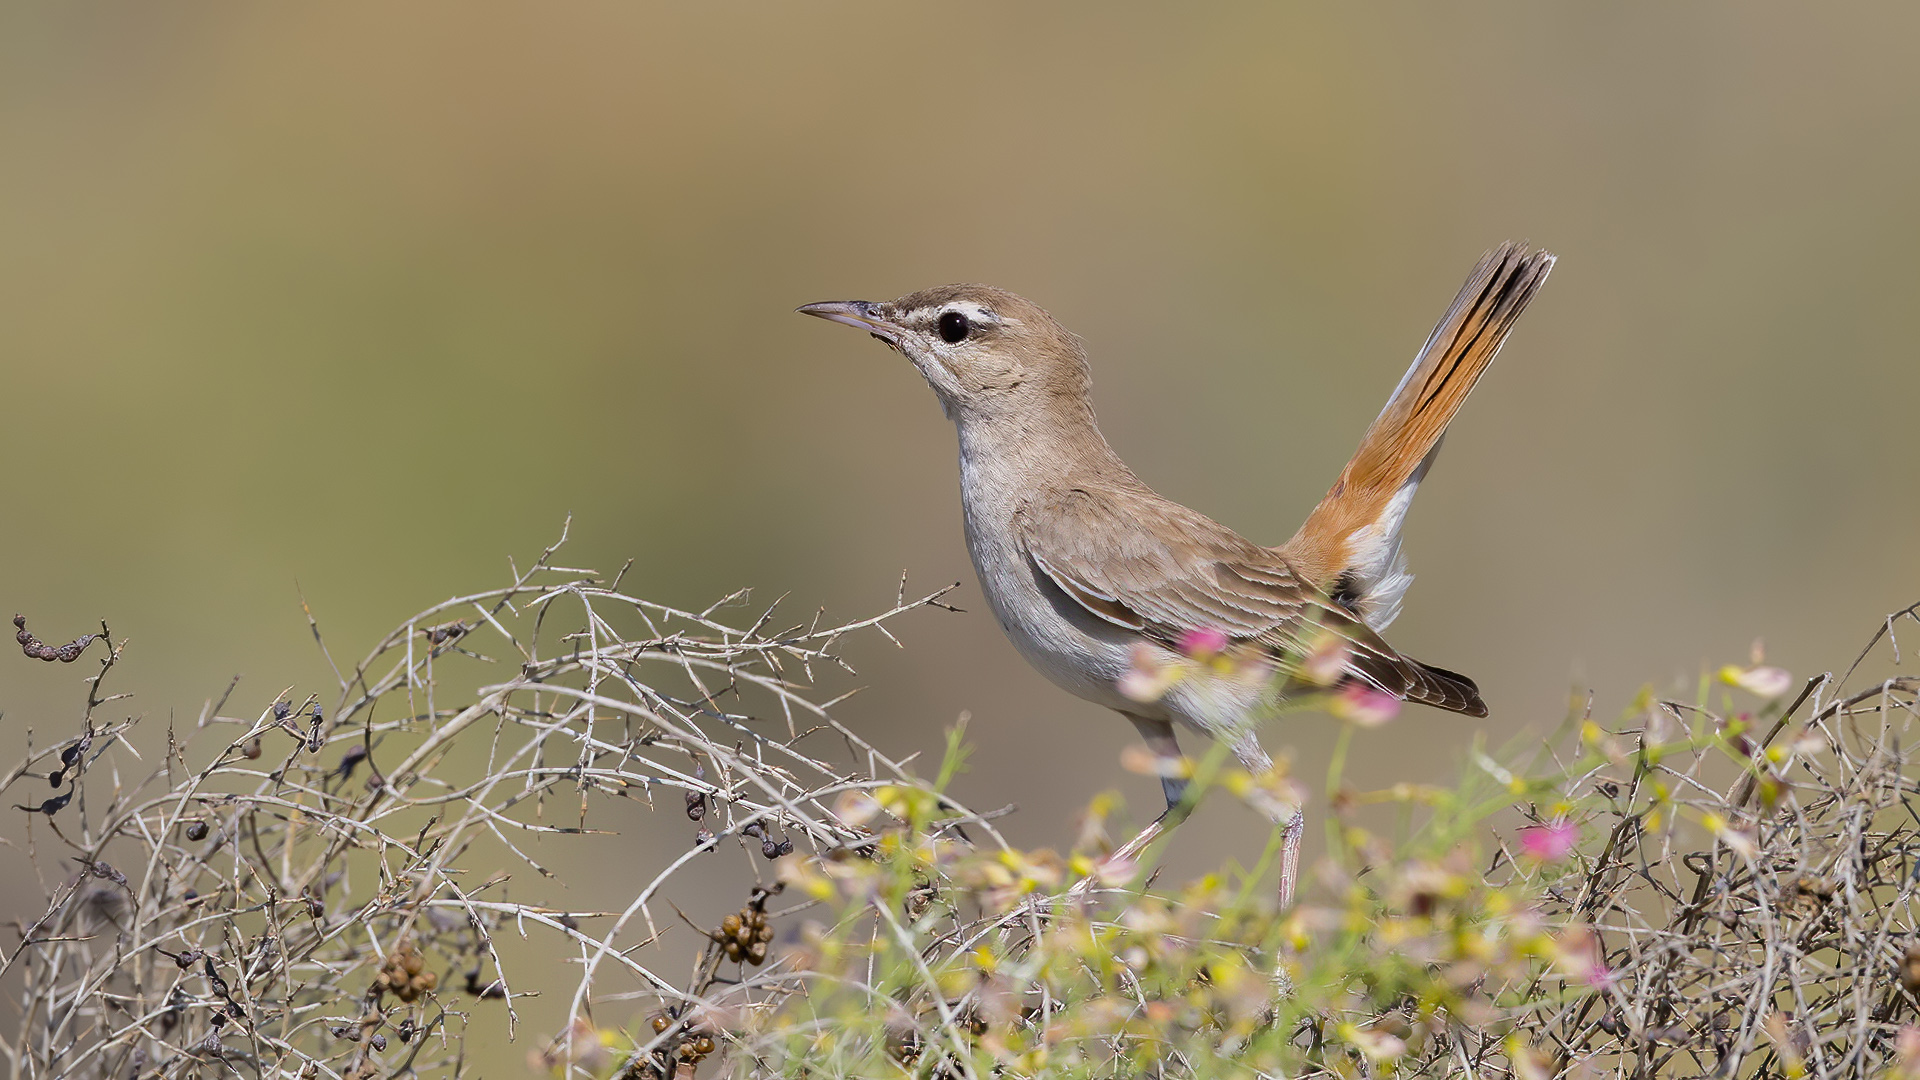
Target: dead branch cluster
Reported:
[(1779, 934), (295, 890), (299, 890)]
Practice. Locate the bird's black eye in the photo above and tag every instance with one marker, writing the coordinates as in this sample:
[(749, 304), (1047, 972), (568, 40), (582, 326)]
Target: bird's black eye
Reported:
[(953, 327)]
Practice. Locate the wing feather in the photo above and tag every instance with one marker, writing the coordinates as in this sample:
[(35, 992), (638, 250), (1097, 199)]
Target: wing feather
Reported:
[(1142, 563)]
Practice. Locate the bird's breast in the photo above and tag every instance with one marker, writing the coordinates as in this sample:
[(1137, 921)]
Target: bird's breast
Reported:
[(1074, 650)]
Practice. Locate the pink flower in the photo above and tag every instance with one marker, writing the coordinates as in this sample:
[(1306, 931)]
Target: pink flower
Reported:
[(1326, 660), (1139, 686), (1578, 956), (1361, 704), (1759, 680), (1149, 676), (1906, 1051), (1113, 871), (1203, 641), (1549, 843)]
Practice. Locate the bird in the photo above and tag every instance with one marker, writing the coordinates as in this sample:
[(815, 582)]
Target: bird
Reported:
[(1095, 577)]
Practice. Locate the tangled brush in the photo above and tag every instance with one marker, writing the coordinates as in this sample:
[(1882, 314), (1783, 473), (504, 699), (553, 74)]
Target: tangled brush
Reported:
[(312, 886)]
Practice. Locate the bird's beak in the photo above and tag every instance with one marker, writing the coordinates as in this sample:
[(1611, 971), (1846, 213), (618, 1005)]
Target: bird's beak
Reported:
[(858, 314)]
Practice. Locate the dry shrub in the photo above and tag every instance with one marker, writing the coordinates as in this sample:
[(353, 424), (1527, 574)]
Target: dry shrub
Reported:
[(1697, 891), (313, 891), (1705, 890), (1777, 936)]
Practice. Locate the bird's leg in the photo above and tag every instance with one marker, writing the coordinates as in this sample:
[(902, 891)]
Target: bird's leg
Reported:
[(1290, 857), (1159, 737), (1254, 759)]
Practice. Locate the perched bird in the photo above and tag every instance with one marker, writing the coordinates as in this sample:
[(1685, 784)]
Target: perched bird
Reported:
[(1093, 575)]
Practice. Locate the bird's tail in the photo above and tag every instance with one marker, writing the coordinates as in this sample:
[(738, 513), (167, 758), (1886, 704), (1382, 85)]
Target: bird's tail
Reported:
[(1377, 664), (1350, 544)]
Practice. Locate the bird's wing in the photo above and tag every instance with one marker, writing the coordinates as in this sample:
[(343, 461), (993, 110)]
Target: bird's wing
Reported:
[(1149, 565), (1144, 567)]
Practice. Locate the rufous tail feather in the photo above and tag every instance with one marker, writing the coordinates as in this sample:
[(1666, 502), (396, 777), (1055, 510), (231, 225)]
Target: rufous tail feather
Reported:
[(1398, 445)]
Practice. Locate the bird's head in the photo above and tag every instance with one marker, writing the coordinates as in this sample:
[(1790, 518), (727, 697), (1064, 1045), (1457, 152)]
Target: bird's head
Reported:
[(986, 352)]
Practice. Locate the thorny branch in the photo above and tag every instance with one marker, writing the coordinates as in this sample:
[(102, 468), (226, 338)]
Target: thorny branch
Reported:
[(314, 892), (295, 894)]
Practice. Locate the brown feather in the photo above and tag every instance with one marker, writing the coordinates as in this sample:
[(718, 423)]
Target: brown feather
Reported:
[(1409, 428), (1144, 563)]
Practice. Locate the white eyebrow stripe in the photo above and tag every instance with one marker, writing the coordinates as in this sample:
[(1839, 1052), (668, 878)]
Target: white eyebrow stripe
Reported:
[(973, 310)]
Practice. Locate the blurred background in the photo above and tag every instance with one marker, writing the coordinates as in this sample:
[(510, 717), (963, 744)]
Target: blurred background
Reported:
[(358, 302)]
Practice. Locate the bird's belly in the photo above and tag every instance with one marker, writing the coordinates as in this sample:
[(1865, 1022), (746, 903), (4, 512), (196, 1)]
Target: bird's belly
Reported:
[(1086, 655), (1075, 651)]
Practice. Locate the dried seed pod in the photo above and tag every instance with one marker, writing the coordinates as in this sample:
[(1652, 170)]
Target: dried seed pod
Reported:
[(730, 925), (196, 830), (282, 710), (757, 953), (734, 952), (38, 650), (402, 974), (696, 805), (379, 1041), (769, 848), (703, 1046), (660, 1023), (251, 751), (51, 806), (187, 959), (56, 778), (405, 1030)]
